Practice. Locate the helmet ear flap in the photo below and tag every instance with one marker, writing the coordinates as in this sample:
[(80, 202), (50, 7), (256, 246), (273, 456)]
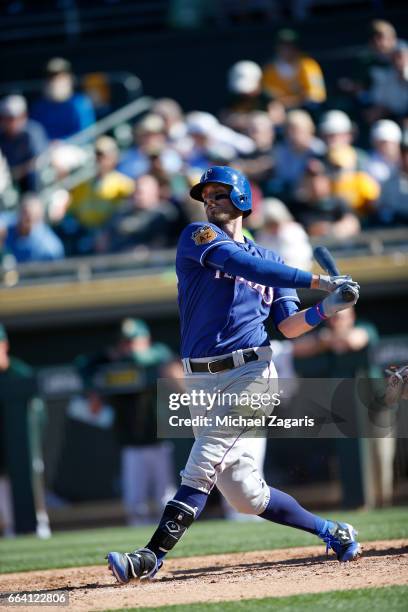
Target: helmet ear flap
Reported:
[(239, 200), (235, 196)]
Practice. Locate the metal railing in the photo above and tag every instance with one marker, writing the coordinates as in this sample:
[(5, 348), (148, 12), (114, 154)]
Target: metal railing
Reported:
[(85, 137)]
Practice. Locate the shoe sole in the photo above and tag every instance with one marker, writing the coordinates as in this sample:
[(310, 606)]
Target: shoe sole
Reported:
[(357, 553)]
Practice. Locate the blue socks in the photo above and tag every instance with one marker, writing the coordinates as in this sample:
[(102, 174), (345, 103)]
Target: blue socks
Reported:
[(192, 497), (285, 510)]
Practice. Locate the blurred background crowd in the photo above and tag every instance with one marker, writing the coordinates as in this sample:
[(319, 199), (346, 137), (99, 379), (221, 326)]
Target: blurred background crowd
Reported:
[(316, 169), (109, 111)]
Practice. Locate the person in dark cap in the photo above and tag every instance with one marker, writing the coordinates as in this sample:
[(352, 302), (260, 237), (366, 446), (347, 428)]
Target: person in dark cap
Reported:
[(293, 78), (146, 462), (62, 111)]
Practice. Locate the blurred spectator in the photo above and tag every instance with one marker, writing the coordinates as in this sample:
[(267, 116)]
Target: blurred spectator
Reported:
[(371, 64), (173, 183), (293, 78), (149, 136), (259, 165), (147, 462), (93, 203), (339, 335), (97, 86), (390, 94), (318, 210), (167, 163), (355, 186), (29, 238), (292, 155), (21, 141), (145, 220), (213, 142), (385, 156), (172, 114), (61, 111), (337, 130), (393, 203), (244, 83), (65, 158), (8, 195), (200, 132), (282, 234)]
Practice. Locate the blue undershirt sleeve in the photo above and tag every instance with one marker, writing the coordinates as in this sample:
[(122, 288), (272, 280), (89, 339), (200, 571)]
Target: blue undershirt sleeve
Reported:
[(257, 270)]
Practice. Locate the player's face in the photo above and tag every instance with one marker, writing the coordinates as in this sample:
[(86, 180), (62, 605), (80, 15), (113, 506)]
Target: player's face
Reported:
[(217, 203)]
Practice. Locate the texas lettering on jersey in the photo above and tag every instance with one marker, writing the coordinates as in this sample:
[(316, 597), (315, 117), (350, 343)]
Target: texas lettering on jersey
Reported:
[(265, 292)]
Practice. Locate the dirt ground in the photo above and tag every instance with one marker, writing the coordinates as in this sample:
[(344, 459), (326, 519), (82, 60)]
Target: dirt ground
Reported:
[(221, 577)]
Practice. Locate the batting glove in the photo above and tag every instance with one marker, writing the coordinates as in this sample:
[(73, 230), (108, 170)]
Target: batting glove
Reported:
[(336, 302), (331, 283)]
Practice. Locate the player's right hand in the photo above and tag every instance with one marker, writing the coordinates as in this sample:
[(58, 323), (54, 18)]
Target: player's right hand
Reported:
[(335, 301), (331, 283)]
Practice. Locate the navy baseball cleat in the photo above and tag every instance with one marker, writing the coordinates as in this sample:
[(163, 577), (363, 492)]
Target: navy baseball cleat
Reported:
[(141, 564), (341, 537)]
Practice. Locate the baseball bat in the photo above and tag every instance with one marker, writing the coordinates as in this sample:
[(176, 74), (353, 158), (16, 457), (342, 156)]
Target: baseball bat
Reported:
[(327, 263)]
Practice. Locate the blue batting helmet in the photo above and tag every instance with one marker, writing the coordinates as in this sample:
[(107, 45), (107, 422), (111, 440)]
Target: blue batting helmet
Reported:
[(240, 193)]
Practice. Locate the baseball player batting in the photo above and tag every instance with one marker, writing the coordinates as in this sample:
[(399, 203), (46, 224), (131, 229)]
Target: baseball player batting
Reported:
[(228, 286)]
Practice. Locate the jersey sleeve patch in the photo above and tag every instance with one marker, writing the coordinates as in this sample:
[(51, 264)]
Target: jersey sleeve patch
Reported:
[(204, 235), (199, 239)]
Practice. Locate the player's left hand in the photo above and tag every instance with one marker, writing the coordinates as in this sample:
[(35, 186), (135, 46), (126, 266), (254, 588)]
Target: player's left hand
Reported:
[(331, 283), (336, 301)]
